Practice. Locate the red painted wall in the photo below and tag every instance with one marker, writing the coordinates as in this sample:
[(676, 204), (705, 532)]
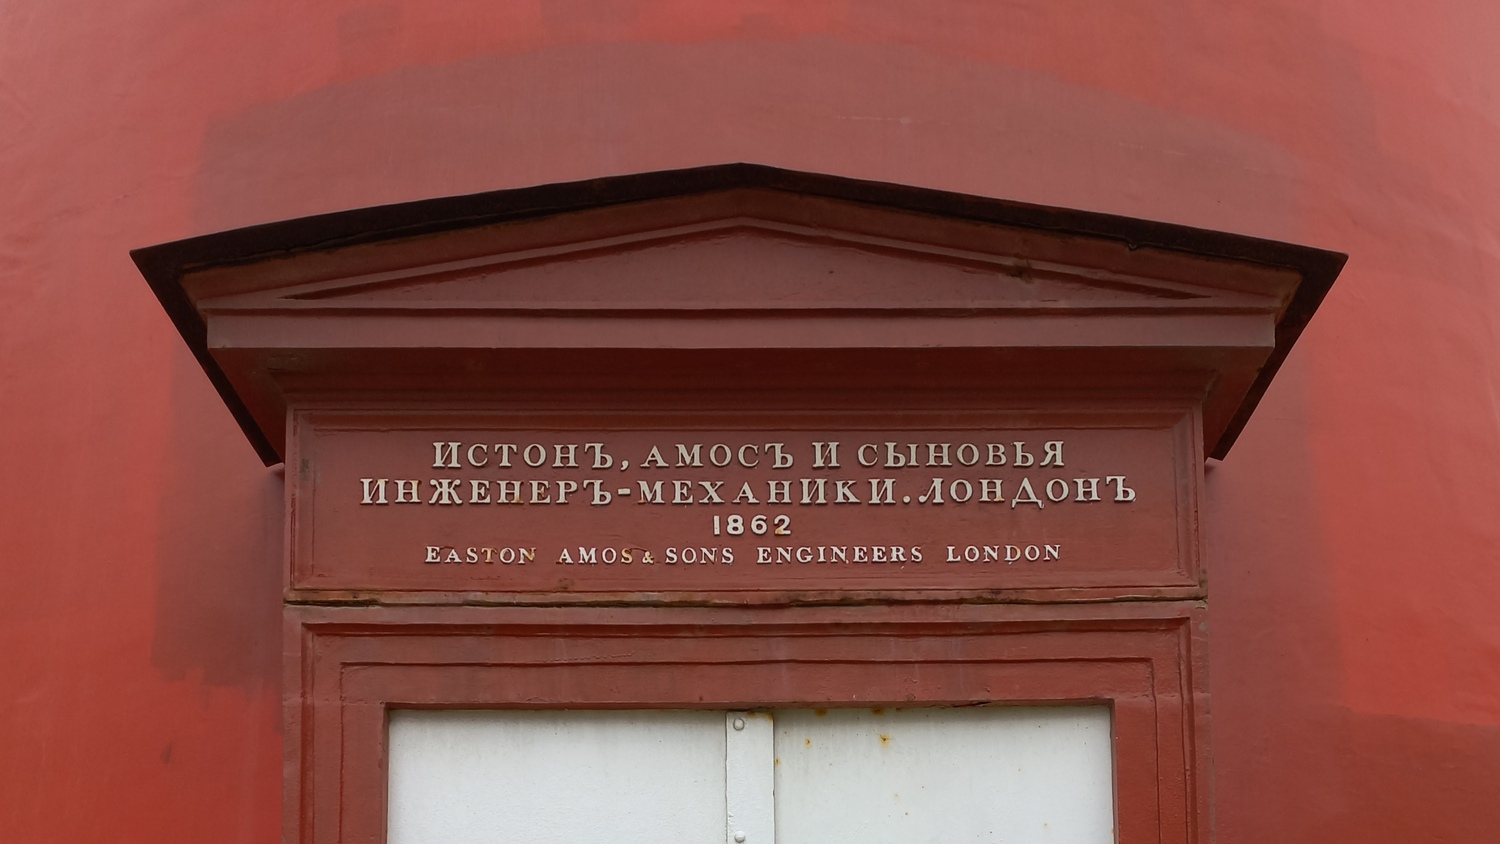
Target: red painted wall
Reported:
[(1352, 534)]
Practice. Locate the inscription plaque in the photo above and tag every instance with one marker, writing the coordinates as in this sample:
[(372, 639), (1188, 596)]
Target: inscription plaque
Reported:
[(574, 504)]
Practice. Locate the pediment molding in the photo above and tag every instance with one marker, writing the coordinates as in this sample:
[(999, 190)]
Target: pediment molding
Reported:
[(758, 265), (737, 258)]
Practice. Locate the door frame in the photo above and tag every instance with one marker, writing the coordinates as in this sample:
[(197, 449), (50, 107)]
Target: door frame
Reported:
[(350, 666)]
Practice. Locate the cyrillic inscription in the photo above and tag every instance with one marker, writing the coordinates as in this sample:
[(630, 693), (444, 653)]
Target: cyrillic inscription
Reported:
[(507, 483)]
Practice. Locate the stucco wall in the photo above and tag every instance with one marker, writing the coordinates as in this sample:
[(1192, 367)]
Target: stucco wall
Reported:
[(1351, 534)]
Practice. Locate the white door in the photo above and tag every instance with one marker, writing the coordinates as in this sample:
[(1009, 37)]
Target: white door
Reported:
[(977, 774)]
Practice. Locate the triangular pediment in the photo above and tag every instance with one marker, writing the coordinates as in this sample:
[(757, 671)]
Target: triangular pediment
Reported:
[(634, 281), (745, 264)]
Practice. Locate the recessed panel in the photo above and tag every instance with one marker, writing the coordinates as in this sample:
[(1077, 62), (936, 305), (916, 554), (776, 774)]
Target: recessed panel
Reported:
[(556, 777), (946, 776)]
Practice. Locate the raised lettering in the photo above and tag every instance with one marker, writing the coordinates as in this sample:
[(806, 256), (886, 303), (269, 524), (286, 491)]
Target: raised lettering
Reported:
[(1122, 492), (1052, 453), (1026, 495), (960, 494), (781, 492), (374, 490), (825, 455), (710, 492), (445, 491), (934, 493), (447, 455), (602, 460), (540, 489), (808, 485), (479, 492), (602, 496)]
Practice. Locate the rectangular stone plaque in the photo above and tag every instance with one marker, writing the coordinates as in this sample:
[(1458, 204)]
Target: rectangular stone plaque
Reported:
[(813, 505)]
